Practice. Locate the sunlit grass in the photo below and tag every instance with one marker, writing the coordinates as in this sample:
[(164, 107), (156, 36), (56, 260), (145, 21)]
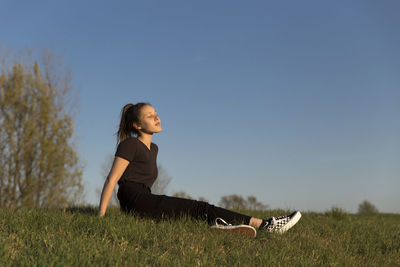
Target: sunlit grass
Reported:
[(79, 237)]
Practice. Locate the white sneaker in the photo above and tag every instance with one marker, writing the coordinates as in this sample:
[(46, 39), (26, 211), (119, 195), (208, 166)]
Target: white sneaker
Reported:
[(283, 223), (220, 224)]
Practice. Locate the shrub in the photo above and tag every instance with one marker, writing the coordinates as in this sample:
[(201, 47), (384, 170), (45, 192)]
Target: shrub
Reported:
[(367, 207)]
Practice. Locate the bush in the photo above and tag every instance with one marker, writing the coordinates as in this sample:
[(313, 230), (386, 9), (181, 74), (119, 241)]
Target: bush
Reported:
[(367, 207), (336, 213)]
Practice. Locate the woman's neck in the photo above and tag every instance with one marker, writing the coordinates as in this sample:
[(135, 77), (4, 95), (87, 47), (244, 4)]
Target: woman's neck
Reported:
[(146, 139)]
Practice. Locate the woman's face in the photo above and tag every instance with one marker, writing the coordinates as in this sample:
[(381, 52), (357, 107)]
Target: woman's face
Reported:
[(149, 122)]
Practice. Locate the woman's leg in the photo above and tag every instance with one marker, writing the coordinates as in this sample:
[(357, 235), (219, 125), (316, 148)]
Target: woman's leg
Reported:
[(255, 222), (138, 198)]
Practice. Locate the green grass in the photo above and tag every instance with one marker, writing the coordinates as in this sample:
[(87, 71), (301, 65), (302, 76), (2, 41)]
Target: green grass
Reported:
[(79, 237)]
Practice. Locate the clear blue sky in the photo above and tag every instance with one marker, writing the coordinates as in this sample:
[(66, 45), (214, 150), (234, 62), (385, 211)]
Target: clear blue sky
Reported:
[(295, 102)]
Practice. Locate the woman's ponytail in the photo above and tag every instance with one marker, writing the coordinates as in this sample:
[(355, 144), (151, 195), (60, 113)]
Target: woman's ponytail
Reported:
[(129, 114)]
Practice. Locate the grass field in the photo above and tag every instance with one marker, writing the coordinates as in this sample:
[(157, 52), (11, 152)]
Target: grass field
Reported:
[(78, 237)]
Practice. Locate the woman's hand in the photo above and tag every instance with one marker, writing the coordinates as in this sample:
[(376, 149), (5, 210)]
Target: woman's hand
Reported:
[(101, 214)]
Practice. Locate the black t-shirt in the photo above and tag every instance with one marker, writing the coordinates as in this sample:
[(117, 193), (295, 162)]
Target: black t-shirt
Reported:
[(142, 166)]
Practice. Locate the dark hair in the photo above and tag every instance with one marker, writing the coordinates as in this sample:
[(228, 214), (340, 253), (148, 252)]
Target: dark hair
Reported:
[(129, 114)]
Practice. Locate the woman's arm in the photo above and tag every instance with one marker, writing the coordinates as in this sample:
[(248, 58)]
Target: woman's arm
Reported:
[(118, 168)]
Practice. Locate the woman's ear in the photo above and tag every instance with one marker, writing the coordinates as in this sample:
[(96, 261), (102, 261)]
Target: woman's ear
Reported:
[(137, 127)]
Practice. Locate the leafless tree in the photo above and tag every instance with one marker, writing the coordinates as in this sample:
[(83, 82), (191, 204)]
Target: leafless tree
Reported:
[(104, 171), (163, 179), (239, 203), (182, 194)]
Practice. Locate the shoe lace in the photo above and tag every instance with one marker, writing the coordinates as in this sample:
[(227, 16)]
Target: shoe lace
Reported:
[(223, 222), (271, 224), (276, 223), (282, 220)]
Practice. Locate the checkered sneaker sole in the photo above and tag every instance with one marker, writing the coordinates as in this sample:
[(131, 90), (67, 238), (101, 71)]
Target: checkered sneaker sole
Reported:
[(248, 230), (283, 223)]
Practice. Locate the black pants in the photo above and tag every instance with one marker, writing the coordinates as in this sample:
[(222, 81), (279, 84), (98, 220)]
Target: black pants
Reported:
[(137, 198)]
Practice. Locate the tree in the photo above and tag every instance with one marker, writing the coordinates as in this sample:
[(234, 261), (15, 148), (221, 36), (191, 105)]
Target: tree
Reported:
[(163, 179), (104, 171), (182, 194), (39, 166), (238, 202), (232, 202), (253, 204), (203, 199), (367, 207)]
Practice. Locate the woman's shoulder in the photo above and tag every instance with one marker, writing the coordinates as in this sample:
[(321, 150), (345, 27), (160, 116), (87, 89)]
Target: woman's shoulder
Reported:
[(127, 149), (155, 146), (130, 139), (128, 142)]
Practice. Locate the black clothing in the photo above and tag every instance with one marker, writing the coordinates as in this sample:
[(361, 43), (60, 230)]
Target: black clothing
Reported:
[(134, 192), (143, 162), (137, 198)]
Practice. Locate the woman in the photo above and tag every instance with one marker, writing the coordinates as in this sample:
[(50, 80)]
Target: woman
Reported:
[(135, 170)]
